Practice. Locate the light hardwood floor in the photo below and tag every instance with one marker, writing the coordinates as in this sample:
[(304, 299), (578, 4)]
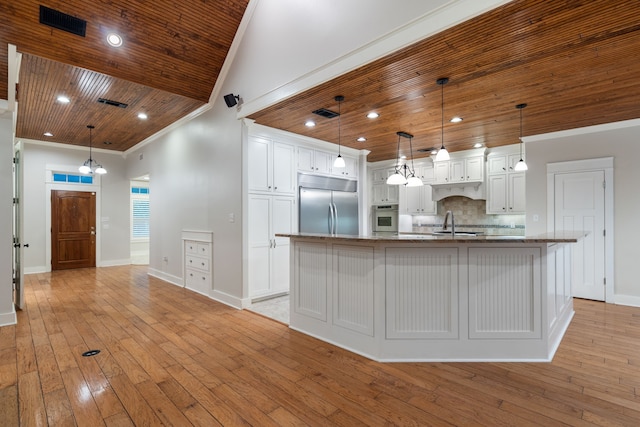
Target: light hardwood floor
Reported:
[(173, 357)]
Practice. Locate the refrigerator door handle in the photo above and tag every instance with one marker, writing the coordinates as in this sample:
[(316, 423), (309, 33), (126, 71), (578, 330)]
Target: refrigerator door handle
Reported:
[(331, 224), (335, 219)]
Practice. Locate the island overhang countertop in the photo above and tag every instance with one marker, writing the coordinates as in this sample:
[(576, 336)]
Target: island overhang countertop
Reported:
[(552, 237)]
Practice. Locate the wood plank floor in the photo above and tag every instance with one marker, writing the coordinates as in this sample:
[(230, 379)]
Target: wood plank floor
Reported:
[(172, 357)]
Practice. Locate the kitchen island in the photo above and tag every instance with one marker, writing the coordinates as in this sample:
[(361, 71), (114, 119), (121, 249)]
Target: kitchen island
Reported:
[(434, 298)]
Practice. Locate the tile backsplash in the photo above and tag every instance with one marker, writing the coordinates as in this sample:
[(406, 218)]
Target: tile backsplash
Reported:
[(470, 215)]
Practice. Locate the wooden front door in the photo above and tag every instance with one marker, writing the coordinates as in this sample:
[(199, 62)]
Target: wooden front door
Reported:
[(73, 229)]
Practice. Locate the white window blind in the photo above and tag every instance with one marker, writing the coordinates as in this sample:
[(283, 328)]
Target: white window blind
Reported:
[(140, 218)]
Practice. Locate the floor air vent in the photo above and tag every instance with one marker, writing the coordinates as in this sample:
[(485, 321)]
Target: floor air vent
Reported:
[(326, 113), (62, 21), (114, 103)]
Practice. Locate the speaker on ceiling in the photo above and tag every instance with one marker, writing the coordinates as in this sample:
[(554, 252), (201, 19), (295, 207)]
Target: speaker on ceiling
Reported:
[(231, 100)]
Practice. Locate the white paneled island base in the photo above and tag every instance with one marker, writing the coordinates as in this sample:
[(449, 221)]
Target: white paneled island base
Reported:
[(427, 298)]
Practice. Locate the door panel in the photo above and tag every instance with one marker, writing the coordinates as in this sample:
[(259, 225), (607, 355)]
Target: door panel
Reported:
[(346, 205), (315, 211), (73, 229), (579, 206)]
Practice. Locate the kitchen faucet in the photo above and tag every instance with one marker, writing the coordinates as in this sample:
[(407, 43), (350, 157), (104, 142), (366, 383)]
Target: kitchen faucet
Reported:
[(453, 223)]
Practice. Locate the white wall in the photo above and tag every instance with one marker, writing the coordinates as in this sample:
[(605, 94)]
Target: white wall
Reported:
[(623, 146), (114, 202), (195, 183), (7, 312)]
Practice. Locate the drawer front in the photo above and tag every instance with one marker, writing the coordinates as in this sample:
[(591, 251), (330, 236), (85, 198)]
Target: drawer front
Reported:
[(197, 262), (191, 247), (198, 281), (204, 249)]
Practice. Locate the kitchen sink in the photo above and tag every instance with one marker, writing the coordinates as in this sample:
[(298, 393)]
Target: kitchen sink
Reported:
[(457, 233)]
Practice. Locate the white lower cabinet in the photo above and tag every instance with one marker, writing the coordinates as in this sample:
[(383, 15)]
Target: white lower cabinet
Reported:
[(384, 193), (417, 201), (198, 261), (268, 272)]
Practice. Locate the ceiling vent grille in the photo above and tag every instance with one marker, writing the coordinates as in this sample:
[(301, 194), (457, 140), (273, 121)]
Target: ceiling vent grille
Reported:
[(114, 103), (326, 113), (62, 21)]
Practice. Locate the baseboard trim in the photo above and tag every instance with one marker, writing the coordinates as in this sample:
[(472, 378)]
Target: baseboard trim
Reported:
[(174, 280), (630, 300), (114, 263), (7, 319)]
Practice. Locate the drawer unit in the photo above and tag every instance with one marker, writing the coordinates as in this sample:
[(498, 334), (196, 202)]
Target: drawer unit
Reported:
[(198, 261)]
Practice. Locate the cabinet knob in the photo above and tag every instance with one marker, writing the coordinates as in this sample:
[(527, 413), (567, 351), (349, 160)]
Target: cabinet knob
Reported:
[(191, 274), (202, 263), (190, 261), (269, 187), (316, 168), (204, 278), (503, 209), (275, 188)]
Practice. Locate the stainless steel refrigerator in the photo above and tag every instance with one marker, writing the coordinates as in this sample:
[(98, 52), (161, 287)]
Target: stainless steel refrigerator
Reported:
[(327, 205)]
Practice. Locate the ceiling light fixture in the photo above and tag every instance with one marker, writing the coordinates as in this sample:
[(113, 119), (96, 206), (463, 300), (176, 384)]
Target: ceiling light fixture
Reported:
[(521, 165), (47, 134), (404, 175), (361, 139), (373, 115), (63, 99), (142, 116), (114, 40), (443, 154), (90, 167), (339, 161), (310, 123), (456, 119)]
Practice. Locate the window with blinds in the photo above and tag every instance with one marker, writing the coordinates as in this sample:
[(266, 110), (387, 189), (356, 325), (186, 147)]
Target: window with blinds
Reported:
[(140, 214)]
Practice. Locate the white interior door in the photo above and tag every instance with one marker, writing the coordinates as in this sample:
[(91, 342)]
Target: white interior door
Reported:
[(580, 205)]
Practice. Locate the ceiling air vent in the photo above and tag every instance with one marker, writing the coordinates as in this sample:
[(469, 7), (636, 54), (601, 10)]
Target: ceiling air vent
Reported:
[(62, 21), (326, 113), (114, 103), (425, 150)]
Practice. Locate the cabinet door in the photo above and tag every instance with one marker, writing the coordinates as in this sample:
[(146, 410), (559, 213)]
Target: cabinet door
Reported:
[(351, 168), (517, 189), (426, 173), (260, 243), (497, 164), (393, 193), (283, 169), (441, 172), (428, 206), (259, 158), (323, 161), (474, 169), (413, 199), (456, 171), (283, 213), (379, 193), (496, 200), (306, 159)]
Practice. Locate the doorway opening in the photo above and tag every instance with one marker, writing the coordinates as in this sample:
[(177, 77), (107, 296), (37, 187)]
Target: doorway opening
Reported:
[(140, 220)]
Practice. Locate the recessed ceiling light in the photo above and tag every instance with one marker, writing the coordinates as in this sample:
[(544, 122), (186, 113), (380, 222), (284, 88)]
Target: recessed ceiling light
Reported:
[(48, 134), (477, 145), (142, 116), (456, 119), (403, 157), (373, 115), (361, 139), (310, 123), (107, 143), (63, 99), (114, 40)]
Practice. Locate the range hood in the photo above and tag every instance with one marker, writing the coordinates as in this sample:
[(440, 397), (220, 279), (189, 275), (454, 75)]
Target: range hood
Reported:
[(473, 190)]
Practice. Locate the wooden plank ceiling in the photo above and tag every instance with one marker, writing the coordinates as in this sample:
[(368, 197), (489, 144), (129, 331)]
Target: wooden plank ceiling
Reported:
[(167, 67), (574, 63)]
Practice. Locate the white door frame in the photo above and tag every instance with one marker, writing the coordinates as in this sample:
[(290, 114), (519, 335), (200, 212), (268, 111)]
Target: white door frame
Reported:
[(604, 164)]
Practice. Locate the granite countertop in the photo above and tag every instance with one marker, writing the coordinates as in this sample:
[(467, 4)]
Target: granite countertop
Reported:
[(560, 237)]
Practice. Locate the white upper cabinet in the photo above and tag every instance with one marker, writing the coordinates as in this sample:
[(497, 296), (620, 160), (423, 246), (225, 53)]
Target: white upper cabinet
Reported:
[(321, 162), (441, 172), (271, 166), (417, 200), (460, 170), (505, 187)]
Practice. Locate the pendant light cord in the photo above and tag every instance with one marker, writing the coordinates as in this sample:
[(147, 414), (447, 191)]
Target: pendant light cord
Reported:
[(442, 114)]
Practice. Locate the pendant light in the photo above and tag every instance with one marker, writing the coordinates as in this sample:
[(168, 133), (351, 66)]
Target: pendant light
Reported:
[(443, 154), (412, 179), (521, 165), (397, 178), (339, 161), (90, 166)]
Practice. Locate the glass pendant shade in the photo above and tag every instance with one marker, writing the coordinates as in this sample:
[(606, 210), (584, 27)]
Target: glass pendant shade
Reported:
[(100, 170), (414, 181), (84, 168), (396, 179), (442, 154), (520, 166), (339, 162)]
